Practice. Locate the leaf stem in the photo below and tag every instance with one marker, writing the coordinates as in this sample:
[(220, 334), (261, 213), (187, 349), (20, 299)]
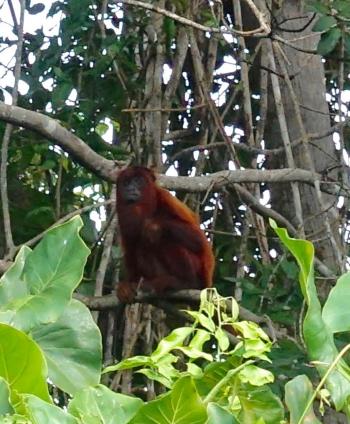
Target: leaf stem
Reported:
[(213, 392), (322, 382)]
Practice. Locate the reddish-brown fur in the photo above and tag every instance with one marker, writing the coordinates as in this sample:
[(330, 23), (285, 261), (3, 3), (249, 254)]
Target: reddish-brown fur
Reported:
[(164, 247)]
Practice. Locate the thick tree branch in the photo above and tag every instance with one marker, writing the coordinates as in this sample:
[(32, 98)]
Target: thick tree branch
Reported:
[(106, 169), (218, 180), (191, 297), (51, 129)]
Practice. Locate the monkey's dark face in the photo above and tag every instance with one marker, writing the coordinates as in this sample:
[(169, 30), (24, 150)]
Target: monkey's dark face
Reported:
[(136, 184), (131, 188)]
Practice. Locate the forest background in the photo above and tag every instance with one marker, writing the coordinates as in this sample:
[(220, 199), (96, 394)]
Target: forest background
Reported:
[(241, 107)]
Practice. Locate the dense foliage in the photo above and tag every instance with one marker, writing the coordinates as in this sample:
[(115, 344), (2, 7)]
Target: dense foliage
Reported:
[(255, 104), (49, 341)]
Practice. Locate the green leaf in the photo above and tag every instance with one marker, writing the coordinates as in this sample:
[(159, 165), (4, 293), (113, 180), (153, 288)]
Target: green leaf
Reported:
[(214, 373), (181, 405), (217, 414), (347, 44), (255, 376), (165, 365), (259, 403), (336, 311), (328, 41), (5, 406), (204, 321), (200, 337), (101, 128), (256, 348), (318, 337), (250, 330), (342, 7), (100, 405), (41, 412), (317, 6), (194, 353), (72, 347), (156, 376), (116, 125), (48, 164), (61, 93), (174, 340), (22, 364), (194, 370), (324, 23), (222, 339), (51, 271), (126, 364), (11, 285), (15, 419), (6, 317), (298, 392)]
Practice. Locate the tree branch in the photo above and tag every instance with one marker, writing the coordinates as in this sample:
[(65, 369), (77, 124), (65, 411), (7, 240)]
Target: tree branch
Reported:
[(51, 129), (221, 179), (106, 169), (262, 30), (192, 297)]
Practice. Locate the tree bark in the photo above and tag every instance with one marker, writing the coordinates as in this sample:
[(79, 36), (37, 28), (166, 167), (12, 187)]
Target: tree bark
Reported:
[(306, 72)]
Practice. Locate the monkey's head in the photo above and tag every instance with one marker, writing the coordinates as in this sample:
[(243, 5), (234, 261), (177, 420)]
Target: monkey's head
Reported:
[(136, 184)]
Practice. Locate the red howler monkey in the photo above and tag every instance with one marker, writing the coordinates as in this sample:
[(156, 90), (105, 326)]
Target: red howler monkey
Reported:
[(164, 247)]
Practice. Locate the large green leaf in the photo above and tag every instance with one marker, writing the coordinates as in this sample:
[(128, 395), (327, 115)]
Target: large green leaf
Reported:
[(72, 347), (181, 405), (324, 23), (5, 406), (259, 403), (328, 41), (51, 271), (100, 405), (217, 414), (336, 311), (318, 337), (298, 393), (40, 412), (22, 364), (12, 285)]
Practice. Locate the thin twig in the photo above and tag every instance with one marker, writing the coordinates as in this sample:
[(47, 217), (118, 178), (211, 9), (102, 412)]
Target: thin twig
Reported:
[(285, 137), (165, 109), (258, 31), (106, 252), (13, 16), (261, 17), (255, 219), (58, 190)]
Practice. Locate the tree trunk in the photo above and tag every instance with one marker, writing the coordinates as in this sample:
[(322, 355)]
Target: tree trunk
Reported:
[(320, 217)]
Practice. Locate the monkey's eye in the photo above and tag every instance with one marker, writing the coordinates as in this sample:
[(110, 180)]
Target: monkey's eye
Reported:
[(138, 181)]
